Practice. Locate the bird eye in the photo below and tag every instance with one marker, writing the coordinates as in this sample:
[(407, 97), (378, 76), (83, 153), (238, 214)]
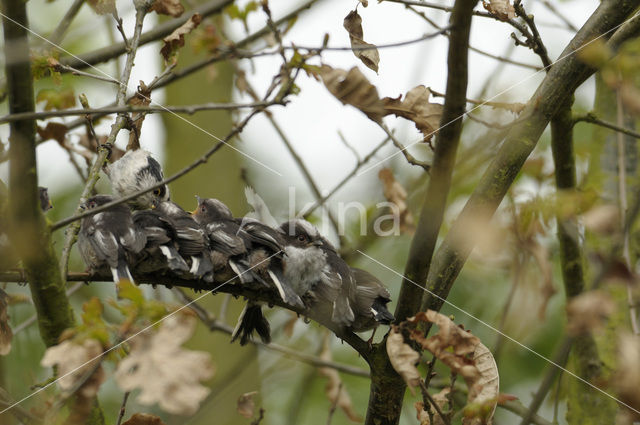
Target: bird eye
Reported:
[(302, 238), (156, 192), (203, 208)]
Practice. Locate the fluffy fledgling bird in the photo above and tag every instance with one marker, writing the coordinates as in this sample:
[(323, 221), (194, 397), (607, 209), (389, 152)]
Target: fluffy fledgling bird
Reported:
[(315, 271), (137, 170), (109, 238), (371, 302), (45, 202), (190, 237), (161, 251)]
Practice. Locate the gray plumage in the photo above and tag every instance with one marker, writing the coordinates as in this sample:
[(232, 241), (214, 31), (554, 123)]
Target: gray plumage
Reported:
[(161, 251), (315, 271), (371, 302), (134, 171), (109, 238), (190, 237)]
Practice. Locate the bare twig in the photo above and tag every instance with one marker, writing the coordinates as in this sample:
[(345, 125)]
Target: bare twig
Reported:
[(509, 106), (407, 155), (427, 399), (592, 119), (187, 109), (218, 325), (125, 398), (556, 12), (534, 41), (58, 34)]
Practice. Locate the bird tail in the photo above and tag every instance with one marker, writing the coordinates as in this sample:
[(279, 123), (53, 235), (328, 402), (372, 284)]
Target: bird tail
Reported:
[(121, 272), (342, 312), (174, 259), (243, 273), (285, 291), (251, 319), (380, 312)]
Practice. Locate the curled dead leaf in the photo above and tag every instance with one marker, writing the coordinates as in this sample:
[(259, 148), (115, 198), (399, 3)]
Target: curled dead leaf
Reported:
[(588, 312), (141, 98), (167, 7), (245, 405), (416, 107), (54, 130), (165, 372), (403, 358), (466, 356), (74, 362), (144, 419), (175, 40), (335, 389), (501, 9), (366, 52), (352, 88), (396, 194)]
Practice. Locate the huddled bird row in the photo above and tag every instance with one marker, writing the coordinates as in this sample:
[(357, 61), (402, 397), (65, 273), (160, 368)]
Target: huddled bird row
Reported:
[(152, 234)]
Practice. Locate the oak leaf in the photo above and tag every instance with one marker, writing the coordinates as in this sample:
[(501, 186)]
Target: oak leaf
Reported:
[(175, 40), (416, 107), (403, 358), (167, 7), (352, 88), (501, 9), (245, 404)]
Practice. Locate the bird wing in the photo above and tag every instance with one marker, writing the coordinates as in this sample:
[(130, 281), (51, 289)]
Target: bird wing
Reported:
[(224, 239)]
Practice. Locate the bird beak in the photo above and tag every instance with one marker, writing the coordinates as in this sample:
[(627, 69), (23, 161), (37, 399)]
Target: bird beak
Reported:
[(199, 199), (49, 205), (316, 243)]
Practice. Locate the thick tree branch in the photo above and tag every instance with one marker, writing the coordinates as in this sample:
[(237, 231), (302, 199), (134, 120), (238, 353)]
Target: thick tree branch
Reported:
[(387, 387), (557, 87)]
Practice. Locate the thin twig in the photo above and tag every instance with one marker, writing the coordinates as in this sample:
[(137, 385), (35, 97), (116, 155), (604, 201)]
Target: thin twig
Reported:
[(58, 34), (592, 119), (122, 407), (217, 325), (556, 12), (404, 150), (348, 145), (187, 109), (334, 405), (348, 177), (509, 106), (427, 399), (534, 40)]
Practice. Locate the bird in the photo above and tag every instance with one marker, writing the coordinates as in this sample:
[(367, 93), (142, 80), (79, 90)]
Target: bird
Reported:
[(371, 301), (227, 243), (161, 251), (315, 271), (43, 196), (190, 237), (137, 170), (109, 238)]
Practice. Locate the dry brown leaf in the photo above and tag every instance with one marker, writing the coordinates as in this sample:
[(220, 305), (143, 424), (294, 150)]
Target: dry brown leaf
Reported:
[(352, 88), (588, 311), (245, 405), (103, 7), (366, 52), (421, 415), (403, 358), (167, 7), (164, 372), (465, 355), (416, 107), (6, 334), (54, 130), (175, 40), (602, 219), (141, 98), (335, 389), (144, 419), (627, 378), (396, 194), (501, 9), (72, 356)]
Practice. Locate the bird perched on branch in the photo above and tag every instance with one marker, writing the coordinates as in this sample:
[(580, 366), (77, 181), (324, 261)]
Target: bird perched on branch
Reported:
[(190, 237), (371, 302), (137, 170), (161, 250), (315, 271), (109, 238)]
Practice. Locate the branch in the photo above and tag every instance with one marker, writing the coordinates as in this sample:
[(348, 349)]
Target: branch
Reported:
[(58, 33), (404, 150), (534, 41), (217, 325), (387, 387), (159, 31), (592, 119), (556, 88), (187, 109), (556, 12)]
